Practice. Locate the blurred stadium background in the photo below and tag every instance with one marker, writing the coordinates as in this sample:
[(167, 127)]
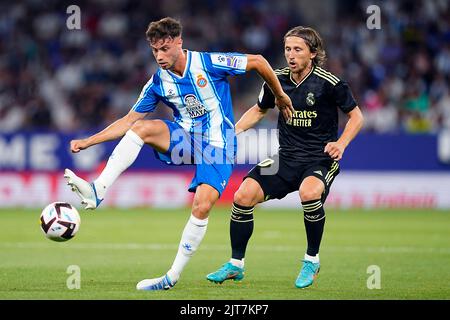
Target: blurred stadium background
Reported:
[(57, 84)]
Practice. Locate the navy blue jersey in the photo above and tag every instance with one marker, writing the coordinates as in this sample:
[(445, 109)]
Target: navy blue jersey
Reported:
[(316, 100)]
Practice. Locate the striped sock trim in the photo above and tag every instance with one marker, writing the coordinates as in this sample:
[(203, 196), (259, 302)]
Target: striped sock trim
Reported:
[(310, 206), (313, 211), (241, 214), (242, 209)]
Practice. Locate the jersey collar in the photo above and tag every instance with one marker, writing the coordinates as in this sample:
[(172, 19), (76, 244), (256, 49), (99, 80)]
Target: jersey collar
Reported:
[(303, 80), (186, 68)]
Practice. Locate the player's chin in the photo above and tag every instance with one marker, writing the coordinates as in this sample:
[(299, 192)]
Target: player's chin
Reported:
[(294, 68)]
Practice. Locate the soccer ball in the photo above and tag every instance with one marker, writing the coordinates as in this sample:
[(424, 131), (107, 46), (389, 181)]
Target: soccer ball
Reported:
[(60, 221)]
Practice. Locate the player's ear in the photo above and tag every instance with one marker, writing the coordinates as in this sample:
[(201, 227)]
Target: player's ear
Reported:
[(313, 55)]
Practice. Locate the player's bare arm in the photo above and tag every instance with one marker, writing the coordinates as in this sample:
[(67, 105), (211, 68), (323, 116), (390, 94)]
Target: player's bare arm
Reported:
[(262, 66), (354, 124), (250, 118), (115, 130)]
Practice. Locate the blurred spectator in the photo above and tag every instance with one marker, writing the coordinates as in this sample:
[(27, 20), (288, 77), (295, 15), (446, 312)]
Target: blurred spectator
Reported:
[(55, 78), (40, 117)]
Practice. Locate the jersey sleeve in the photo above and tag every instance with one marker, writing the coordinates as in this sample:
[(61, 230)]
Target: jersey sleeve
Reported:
[(226, 64), (266, 99), (343, 97), (147, 100)]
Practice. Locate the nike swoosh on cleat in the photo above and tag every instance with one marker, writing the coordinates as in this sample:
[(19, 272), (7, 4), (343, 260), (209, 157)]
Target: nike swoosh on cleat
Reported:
[(231, 275)]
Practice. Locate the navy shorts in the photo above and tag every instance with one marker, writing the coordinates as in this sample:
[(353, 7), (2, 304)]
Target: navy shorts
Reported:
[(287, 176)]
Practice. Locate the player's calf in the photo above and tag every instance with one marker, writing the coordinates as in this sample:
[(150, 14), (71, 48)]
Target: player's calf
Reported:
[(314, 220), (241, 229)]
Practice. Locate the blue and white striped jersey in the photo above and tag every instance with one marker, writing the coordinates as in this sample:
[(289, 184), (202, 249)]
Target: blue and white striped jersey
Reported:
[(200, 98)]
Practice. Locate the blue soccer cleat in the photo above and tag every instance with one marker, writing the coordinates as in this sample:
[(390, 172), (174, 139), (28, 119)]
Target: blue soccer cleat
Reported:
[(308, 274), (227, 272), (161, 283)]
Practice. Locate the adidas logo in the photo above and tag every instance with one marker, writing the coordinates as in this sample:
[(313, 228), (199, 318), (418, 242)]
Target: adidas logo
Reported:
[(319, 172)]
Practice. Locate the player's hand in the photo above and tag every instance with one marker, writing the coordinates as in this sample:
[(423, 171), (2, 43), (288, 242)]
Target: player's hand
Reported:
[(284, 103), (335, 150), (78, 145)]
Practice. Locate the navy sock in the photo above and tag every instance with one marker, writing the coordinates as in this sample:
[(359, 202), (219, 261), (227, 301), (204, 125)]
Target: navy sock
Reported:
[(314, 218), (241, 229)]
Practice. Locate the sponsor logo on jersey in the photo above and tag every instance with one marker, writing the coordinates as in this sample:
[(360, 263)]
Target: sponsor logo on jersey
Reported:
[(232, 61), (193, 106), (228, 60), (302, 118)]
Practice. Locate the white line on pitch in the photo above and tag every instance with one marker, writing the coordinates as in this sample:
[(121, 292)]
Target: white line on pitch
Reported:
[(213, 247)]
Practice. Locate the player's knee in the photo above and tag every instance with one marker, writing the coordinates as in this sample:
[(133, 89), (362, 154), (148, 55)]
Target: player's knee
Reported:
[(307, 194), (143, 128), (244, 198), (200, 209)]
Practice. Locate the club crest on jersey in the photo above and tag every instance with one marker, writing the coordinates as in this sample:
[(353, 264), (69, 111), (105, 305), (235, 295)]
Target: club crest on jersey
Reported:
[(310, 100), (201, 81), (193, 106)]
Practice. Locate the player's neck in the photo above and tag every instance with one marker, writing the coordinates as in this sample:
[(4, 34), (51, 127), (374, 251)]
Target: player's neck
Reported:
[(180, 65), (299, 76)]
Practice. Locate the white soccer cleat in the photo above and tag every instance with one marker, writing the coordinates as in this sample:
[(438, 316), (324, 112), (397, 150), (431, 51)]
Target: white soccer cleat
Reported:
[(85, 190), (161, 283)]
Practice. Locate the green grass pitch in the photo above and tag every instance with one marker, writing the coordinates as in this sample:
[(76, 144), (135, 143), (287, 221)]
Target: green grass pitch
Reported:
[(115, 248)]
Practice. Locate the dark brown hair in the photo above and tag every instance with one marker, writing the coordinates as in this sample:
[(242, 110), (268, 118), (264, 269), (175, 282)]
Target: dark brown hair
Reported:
[(162, 29), (313, 41)]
